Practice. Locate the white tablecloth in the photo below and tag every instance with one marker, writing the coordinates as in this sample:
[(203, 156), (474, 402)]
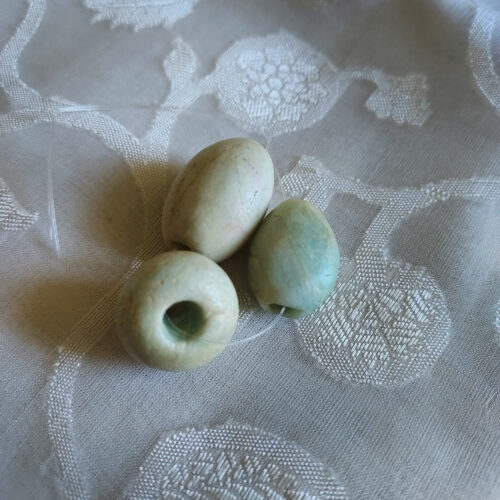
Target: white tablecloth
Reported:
[(383, 113)]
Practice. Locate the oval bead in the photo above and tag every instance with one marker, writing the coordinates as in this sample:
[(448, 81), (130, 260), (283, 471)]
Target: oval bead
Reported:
[(294, 259), (177, 311), (219, 198)]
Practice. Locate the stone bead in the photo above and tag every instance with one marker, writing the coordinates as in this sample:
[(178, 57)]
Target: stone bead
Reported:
[(219, 198), (177, 311), (294, 259)]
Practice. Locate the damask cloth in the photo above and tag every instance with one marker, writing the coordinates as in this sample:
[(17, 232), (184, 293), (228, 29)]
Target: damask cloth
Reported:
[(383, 113)]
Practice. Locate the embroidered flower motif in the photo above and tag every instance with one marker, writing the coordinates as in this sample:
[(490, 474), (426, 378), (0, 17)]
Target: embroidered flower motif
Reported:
[(140, 14), (232, 461), (275, 84), (13, 217), (402, 99), (280, 87), (279, 84)]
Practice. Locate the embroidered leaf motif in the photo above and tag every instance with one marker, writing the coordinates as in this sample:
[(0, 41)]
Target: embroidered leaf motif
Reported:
[(140, 13), (379, 334), (181, 64), (226, 474), (13, 217), (402, 99), (232, 462)]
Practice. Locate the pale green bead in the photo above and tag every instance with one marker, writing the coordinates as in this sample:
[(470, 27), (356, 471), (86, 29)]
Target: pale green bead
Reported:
[(219, 198), (177, 311), (294, 259)]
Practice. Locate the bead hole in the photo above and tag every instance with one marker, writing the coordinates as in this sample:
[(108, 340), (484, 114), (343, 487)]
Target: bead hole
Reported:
[(184, 320)]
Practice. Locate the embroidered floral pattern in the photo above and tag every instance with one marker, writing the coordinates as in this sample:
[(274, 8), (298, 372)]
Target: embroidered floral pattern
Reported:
[(275, 78), (13, 217), (279, 84), (401, 99), (379, 332), (308, 85), (142, 13), (386, 322), (481, 56), (232, 461)]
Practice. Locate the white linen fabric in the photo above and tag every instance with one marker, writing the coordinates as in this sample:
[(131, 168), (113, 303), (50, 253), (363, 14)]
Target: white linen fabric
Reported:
[(383, 113)]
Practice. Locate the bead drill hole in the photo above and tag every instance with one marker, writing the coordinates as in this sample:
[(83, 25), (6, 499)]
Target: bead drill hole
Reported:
[(184, 320)]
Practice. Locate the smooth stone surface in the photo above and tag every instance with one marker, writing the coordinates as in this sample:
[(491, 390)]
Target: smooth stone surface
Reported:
[(202, 312), (294, 259), (219, 198)]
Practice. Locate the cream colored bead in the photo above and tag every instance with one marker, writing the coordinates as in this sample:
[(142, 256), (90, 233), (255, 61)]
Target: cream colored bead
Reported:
[(219, 198), (177, 311)]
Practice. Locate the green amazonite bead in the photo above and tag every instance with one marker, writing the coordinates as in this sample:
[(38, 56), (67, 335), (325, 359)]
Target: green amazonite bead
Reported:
[(294, 259), (177, 311)]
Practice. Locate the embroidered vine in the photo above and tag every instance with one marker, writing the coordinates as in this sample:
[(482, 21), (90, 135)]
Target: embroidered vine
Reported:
[(270, 85)]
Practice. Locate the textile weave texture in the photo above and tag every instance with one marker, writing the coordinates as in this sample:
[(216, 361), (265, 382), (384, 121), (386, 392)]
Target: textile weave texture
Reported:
[(385, 114)]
